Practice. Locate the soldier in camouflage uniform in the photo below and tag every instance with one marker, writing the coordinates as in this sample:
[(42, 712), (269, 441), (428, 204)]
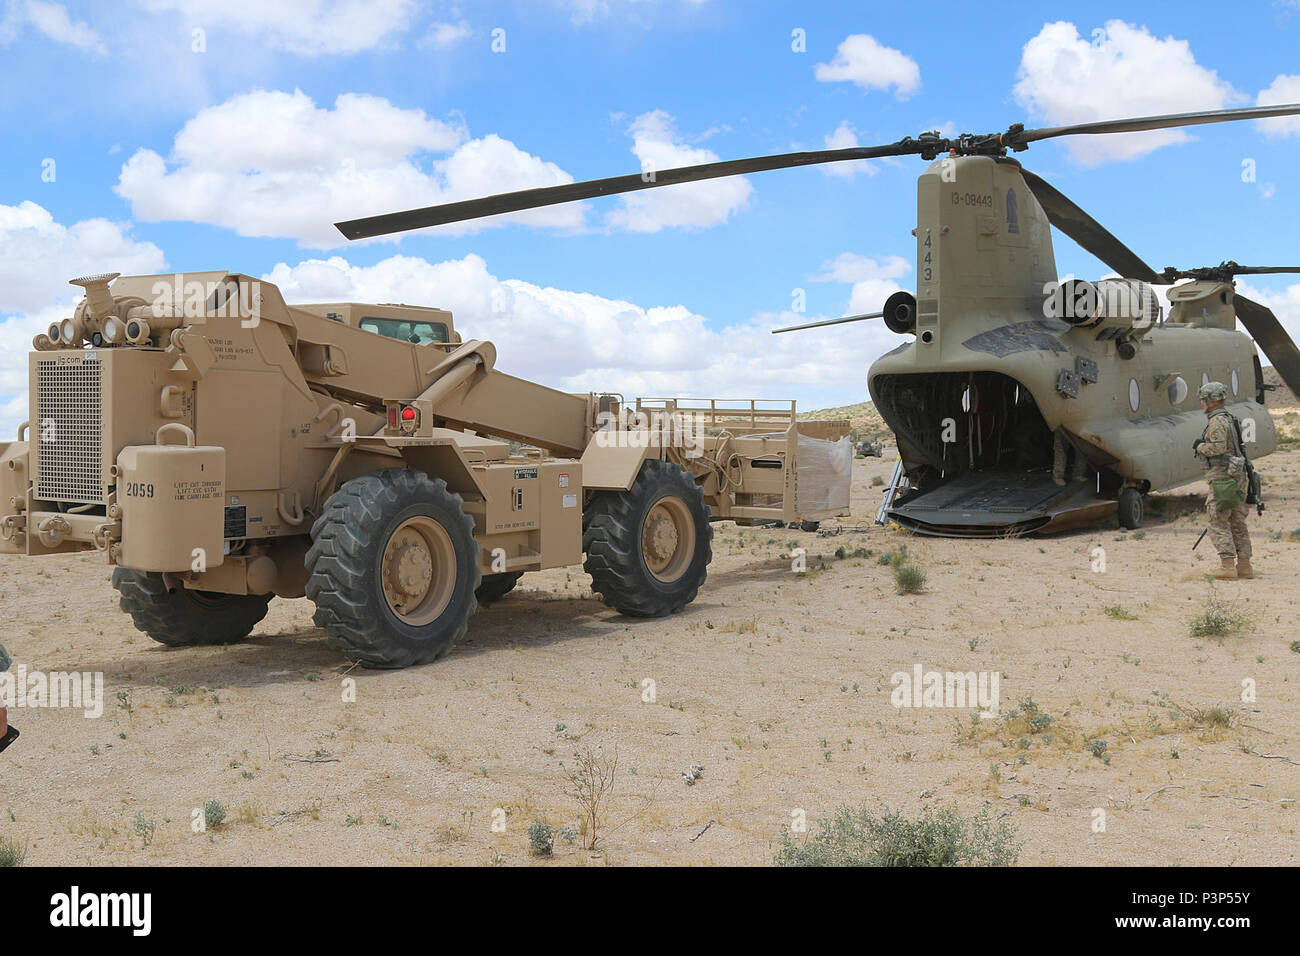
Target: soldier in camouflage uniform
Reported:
[(5, 661), (1226, 504), (1064, 453)]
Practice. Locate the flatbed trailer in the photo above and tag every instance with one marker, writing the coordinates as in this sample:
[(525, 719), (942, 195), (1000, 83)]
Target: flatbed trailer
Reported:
[(758, 463)]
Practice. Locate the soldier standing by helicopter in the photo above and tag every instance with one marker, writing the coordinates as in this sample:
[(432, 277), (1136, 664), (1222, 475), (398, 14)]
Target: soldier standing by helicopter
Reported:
[(1225, 462)]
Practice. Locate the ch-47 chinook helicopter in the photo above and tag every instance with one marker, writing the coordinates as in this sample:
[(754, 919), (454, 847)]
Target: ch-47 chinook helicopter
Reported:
[(1008, 368)]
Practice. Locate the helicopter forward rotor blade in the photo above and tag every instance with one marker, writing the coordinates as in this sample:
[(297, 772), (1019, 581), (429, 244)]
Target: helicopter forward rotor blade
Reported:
[(817, 325), (571, 192), (1066, 216), (1142, 123), (1267, 331), (927, 145)]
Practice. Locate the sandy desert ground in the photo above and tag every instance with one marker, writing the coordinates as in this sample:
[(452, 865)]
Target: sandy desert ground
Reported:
[(777, 684)]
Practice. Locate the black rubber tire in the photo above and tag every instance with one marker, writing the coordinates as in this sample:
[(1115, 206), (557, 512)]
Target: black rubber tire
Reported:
[(809, 525), (611, 538), (496, 586), (1130, 508), (184, 617), (344, 576)]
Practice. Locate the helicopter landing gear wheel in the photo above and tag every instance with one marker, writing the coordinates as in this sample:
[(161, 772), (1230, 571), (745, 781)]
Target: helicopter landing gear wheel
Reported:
[(1130, 509)]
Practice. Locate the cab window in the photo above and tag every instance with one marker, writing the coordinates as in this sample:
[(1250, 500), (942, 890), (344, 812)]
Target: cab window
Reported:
[(406, 330)]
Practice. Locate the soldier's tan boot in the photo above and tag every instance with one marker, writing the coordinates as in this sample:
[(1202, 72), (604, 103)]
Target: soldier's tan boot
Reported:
[(1227, 570), (1059, 455), (1244, 570)]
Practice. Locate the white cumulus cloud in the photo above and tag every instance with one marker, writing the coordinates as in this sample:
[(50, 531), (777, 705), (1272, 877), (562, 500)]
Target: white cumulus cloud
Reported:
[(656, 143), (873, 279), (578, 341), (1284, 302), (37, 258), (53, 21), (867, 63), (274, 164), (852, 267), (635, 11), (1117, 72), (1284, 89), (846, 137), (444, 36), (271, 163), (13, 412), (39, 255), (307, 27)]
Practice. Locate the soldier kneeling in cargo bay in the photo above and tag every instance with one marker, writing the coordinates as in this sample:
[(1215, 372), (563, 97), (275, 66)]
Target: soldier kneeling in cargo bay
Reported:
[(1225, 462)]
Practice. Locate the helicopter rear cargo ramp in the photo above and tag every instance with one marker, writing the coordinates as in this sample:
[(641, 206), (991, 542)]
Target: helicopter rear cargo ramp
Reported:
[(996, 504)]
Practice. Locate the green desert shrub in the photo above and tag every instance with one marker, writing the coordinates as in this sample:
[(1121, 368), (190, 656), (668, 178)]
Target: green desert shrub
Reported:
[(857, 837)]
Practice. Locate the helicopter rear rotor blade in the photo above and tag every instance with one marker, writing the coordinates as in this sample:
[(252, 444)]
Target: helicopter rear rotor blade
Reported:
[(1273, 340), (1223, 272), (1263, 270), (817, 325), (1068, 217)]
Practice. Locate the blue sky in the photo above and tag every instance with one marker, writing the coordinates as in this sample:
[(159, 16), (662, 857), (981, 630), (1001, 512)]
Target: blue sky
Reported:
[(230, 147)]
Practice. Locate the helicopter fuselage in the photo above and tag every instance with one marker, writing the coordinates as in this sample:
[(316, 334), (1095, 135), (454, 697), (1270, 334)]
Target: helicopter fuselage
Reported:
[(997, 368)]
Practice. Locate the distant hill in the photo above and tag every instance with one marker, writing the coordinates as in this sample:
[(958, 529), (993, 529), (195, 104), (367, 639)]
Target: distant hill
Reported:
[(1283, 397), (863, 419)]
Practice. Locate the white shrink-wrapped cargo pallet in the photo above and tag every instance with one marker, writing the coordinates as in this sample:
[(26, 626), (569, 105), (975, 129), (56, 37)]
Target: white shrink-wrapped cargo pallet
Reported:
[(825, 470)]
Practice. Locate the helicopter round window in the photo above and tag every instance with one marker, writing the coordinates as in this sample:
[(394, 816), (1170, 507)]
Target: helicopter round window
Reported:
[(1134, 394), (1177, 391), (1236, 382)]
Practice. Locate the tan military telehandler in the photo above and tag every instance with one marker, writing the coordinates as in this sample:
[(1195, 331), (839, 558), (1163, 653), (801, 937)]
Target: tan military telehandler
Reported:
[(222, 448)]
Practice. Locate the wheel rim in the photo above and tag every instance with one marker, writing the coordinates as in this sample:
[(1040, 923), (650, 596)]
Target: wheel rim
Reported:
[(418, 571), (668, 539)]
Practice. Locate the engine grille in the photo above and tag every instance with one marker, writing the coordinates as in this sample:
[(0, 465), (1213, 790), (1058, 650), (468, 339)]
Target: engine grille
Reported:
[(69, 431)]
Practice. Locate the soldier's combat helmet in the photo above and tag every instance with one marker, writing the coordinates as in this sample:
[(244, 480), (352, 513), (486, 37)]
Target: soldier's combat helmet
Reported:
[(1214, 392)]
